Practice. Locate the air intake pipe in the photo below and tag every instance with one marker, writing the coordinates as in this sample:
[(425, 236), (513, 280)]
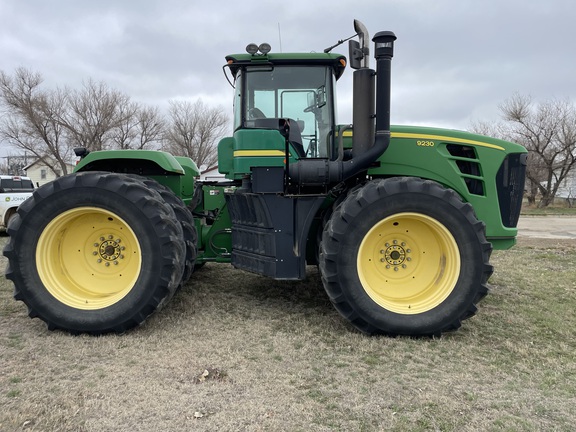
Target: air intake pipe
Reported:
[(315, 172)]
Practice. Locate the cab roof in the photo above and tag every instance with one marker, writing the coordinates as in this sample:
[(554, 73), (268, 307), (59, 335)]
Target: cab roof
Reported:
[(336, 61)]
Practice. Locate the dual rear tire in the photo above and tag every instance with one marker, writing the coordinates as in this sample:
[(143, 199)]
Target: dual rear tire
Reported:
[(97, 252)]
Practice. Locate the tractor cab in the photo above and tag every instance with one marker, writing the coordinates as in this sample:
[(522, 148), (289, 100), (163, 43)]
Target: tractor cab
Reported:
[(284, 109)]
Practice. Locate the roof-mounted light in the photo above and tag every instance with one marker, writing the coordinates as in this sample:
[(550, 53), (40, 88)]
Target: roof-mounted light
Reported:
[(264, 48), (252, 48)]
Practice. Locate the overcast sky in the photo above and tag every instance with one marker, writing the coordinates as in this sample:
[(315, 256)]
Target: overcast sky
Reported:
[(455, 60)]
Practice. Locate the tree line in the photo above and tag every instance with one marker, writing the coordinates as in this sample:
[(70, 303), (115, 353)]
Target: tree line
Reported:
[(51, 122)]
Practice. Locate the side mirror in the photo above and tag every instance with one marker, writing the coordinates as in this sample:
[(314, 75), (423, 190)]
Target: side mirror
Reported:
[(356, 54)]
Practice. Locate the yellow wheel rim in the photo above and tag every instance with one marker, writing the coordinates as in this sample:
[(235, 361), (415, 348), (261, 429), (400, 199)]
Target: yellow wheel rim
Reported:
[(408, 263), (88, 258)]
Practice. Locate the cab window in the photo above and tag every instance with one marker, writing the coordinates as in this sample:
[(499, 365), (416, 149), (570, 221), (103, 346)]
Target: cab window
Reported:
[(301, 95)]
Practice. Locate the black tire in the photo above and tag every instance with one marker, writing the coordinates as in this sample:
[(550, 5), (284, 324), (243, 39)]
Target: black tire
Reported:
[(94, 253), (405, 256), (186, 220), (327, 214), (11, 215)]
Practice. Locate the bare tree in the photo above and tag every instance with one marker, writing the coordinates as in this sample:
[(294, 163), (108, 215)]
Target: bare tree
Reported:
[(5, 167), (193, 130), (151, 127), (93, 113), (14, 164), (141, 127), (124, 134), (548, 131), (32, 121), (50, 123)]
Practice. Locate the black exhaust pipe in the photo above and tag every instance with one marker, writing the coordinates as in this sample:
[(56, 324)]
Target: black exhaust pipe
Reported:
[(384, 52)]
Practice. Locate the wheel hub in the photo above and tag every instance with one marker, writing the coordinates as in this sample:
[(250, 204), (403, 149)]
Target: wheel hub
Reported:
[(396, 255), (108, 250)]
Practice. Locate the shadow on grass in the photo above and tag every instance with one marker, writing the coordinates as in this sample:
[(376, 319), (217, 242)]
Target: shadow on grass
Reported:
[(220, 292)]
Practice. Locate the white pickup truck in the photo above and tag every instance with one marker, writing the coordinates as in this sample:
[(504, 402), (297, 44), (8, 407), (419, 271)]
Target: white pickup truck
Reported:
[(14, 190)]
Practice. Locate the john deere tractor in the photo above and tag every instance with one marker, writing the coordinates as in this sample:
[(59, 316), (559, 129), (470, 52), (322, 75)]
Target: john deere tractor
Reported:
[(400, 220)]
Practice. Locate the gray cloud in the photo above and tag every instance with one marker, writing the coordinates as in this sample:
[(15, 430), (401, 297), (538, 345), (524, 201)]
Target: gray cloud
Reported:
[(455, 61)]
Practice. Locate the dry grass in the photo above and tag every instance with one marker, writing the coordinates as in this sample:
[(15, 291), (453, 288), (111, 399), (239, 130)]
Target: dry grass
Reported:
[(235, 351)]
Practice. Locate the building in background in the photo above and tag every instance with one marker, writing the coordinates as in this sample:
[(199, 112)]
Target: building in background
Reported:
[(40, 172), (567, 189), (211, 174)]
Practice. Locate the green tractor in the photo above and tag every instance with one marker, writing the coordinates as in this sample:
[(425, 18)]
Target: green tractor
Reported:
[(400, 220)]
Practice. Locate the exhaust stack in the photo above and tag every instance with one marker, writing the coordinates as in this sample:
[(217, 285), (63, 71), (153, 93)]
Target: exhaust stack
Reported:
[(384, 51)]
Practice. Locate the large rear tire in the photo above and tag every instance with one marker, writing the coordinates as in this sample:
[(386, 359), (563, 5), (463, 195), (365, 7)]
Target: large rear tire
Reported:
[(184, 217), (94, 253), (405, 256)]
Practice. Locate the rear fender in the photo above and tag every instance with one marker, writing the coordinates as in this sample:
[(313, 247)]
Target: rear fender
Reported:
[(177, 173)]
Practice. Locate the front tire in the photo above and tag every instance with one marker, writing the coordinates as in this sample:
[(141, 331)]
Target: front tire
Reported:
[(405, 256), (94, 252)]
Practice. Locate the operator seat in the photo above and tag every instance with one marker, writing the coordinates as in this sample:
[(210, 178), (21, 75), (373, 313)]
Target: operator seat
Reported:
[(295, 136), (290, 128)]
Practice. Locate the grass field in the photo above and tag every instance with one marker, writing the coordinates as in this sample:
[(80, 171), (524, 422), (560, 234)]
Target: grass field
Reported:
[(238, 352), (560, 209)]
